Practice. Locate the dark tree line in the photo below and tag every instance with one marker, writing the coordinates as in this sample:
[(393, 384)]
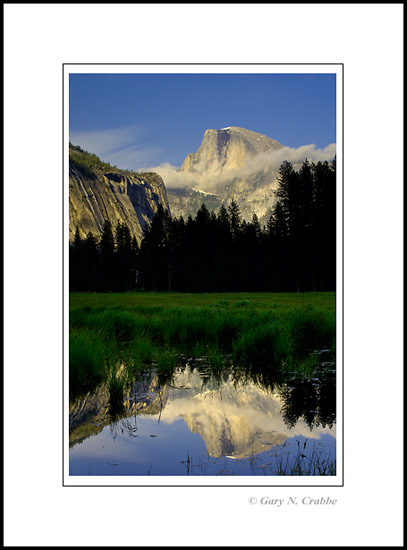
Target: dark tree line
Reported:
[(302, 228), (107, 263), (296, 251)]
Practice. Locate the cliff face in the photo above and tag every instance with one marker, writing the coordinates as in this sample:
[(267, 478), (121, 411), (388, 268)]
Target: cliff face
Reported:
[(97, 191), (230, 164), (226, 149), (185, 201)]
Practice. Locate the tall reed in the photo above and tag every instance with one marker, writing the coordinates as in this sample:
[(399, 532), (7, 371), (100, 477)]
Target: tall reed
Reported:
[(141, 336)]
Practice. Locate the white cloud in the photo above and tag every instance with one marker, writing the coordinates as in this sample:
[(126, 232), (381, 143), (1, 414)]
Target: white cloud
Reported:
[(125, 147), (128, 148), (270, 160)]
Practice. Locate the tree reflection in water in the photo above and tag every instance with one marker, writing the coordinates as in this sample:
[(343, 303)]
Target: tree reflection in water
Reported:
[(312, 399)]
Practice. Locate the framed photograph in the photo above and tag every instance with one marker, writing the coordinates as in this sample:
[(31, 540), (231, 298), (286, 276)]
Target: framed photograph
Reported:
[(203, 288)]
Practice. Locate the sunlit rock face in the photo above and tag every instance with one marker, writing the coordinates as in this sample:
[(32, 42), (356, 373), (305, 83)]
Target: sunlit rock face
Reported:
[(230, 164), (227, 149), (114, 195)]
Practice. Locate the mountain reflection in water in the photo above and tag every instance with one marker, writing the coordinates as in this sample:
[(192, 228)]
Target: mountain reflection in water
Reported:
[(236, 414)]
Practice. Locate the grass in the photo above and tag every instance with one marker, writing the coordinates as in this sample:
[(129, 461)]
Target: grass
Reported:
[(267, 343), (301, 464), (116, 384), (260, 301), (278, 461), (136, 330), (87, 361)]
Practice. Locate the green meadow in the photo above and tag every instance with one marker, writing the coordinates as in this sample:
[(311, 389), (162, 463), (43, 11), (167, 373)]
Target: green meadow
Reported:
[(258, 301), (112, 336)]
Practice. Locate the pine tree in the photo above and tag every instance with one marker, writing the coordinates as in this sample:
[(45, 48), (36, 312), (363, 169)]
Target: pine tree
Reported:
[(277, 224), (107, 244), (305, 198), (203, 216), (204, 250), (77, 242), (288, 196), (235, 218), (155, 251), (324, 223), (223, 217), (107, 257), (256, 226), (90, 263), (123, 239), (135, 263), (75, 262), (123, 260)]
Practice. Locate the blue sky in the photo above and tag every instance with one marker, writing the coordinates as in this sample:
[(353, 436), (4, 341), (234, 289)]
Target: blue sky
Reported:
[(138, 121)]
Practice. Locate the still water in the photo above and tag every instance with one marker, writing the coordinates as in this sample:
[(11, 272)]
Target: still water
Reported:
[(197, 422)]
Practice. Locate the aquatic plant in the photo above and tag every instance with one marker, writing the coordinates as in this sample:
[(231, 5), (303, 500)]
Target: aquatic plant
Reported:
[(302, 464), (311, 329), (87, 361), (267, 344)]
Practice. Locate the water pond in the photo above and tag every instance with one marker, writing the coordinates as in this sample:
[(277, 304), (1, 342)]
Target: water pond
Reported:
[(197, 422)]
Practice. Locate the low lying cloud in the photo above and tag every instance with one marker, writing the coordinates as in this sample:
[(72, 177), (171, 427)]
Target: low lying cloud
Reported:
[(129, 149), (269, 162)]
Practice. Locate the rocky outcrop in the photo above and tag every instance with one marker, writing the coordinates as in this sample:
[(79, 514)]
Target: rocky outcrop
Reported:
[(230, 164), (98, 191), (227, 149), (185, 201)]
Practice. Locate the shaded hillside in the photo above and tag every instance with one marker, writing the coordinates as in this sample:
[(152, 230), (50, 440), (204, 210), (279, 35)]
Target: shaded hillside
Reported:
[(99, 191)]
